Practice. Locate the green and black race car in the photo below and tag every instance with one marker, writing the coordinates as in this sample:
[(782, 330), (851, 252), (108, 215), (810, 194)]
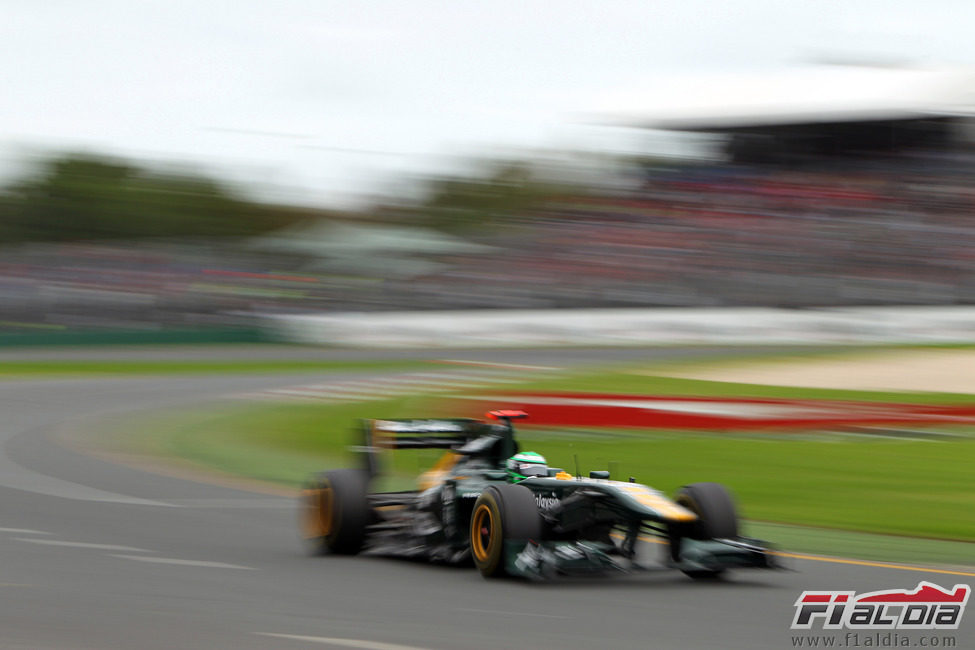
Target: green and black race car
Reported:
[(514, 515)]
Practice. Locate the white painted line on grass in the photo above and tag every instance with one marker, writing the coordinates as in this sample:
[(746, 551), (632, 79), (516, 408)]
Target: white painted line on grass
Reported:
[(363, 644), (303, 392), (413, 380), (375, 389), (401, 386), (361, 390), (443, 377), (23, 531), (342, 388), (100, 547), (352, 397), (508, 378), (490, 364), (321, 395), (178, 562)]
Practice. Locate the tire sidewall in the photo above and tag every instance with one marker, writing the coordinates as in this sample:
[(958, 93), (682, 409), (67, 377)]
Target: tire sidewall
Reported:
[(344, 515), (712, 503), (488, 557), (514, 517), (717, 518)]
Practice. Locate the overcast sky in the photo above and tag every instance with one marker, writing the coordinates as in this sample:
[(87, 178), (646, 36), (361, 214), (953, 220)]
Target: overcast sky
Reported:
[(325, 100)]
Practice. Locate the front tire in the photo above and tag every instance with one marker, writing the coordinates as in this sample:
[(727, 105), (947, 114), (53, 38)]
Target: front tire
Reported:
[(502, 513), (717, 518), (335, 512)]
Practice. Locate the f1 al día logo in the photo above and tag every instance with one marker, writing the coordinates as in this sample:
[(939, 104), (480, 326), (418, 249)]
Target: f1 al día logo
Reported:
[(927, 607)]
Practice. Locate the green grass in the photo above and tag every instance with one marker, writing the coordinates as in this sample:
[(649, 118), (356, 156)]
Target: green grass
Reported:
[(281, 443), (867, 546), (804, 495), (906, 487), (635, 380), (86, 367), (808, 491)]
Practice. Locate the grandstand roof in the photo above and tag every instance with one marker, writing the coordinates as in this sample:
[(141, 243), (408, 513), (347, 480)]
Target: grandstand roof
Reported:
[(820, 94)]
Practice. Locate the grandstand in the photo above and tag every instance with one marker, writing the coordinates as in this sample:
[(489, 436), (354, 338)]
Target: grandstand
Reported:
[(824, 110), (838, 186)]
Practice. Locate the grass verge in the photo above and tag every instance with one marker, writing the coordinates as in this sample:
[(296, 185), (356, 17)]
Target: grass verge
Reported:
[(641, 380), (833, 494), (885, 485), (864, 546), (279, 443)]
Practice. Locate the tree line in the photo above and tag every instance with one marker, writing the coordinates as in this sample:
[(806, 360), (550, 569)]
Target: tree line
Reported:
[(81, 196), (88, 196)]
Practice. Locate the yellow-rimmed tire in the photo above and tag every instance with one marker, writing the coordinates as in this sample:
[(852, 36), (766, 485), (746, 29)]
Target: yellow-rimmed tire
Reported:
[(717, 518), (502, 513), (335, 512)]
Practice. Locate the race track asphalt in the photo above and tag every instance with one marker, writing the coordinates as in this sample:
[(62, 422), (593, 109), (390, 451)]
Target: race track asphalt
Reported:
[(98, 555)]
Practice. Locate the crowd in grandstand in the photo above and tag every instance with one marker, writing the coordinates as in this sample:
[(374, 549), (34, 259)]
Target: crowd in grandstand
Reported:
[(884, 230), (880, 231)]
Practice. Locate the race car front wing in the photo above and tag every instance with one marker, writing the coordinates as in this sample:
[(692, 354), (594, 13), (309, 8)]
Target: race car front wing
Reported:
[(545, 560)]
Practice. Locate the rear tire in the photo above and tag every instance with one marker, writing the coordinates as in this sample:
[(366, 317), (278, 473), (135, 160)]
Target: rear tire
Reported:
[(335, 512), (502, 513), (717, 518)]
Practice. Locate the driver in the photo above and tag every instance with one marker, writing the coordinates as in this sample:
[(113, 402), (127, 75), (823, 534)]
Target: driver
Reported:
[(525, 465)]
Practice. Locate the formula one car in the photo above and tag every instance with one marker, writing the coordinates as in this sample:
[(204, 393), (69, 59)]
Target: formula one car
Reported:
[(511, 513)]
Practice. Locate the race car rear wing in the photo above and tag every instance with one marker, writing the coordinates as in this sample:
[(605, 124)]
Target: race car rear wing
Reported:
[(463, 435), (380, 435), (421, 434)]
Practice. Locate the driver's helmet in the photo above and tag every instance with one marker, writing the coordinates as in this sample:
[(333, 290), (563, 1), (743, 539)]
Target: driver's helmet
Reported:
[(526, 464)]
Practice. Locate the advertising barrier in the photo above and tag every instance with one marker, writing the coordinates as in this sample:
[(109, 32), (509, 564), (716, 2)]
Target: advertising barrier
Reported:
[(533, 328)]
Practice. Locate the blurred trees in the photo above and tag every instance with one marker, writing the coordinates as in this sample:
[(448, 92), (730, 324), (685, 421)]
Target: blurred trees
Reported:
[(503, 190), (83, 196), (77, 196)]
